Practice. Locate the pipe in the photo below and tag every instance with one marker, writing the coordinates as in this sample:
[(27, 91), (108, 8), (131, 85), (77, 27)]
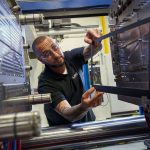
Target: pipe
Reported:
[(63, 32), (16, 9), (28, 68), (20, 125), (75, 134), (26, 46), (31, 19), (27, 100)]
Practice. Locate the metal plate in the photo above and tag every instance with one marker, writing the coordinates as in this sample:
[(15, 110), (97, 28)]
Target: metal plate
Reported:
[(12, 68), (11, 55)]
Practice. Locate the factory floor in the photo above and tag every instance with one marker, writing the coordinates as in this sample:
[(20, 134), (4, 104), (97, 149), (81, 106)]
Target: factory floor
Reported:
[(130, 146)]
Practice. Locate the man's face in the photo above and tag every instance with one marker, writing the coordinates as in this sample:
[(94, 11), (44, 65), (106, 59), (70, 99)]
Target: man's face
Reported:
[(50, 53)]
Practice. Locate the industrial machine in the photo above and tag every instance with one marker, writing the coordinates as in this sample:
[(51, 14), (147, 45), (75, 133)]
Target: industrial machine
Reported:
[(130, 45), (16, 120), (130, 37)]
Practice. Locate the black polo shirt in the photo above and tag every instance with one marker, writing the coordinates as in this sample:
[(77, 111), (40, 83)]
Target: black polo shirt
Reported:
[(64, 87)]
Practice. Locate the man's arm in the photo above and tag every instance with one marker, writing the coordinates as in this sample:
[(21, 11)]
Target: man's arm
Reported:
[(77, 112), (93, 47)]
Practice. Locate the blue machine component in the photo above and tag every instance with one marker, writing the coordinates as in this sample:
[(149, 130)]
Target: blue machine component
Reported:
[(43, 6), (86, 77)]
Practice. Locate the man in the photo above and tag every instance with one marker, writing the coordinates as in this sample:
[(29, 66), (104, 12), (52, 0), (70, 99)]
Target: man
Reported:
[(62, 78)]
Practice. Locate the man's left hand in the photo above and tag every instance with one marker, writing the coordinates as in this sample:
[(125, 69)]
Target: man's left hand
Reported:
[(91, 35)]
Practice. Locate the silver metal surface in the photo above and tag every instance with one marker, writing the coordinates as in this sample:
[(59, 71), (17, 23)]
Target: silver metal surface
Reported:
[(130, 49), (76, 134), (130, 45), (26, 46), (20, 125), (72, 14), (31, 19), (136, 145), (16, 9), (12, 68), (27, 100), (62, 32), (28, 68), (11, 54)]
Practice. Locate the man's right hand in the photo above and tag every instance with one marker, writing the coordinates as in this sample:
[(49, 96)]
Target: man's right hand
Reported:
[(77, 112), (91, 98)]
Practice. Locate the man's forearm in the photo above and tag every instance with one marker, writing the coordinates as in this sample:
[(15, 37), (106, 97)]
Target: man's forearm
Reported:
[(73, 113)]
